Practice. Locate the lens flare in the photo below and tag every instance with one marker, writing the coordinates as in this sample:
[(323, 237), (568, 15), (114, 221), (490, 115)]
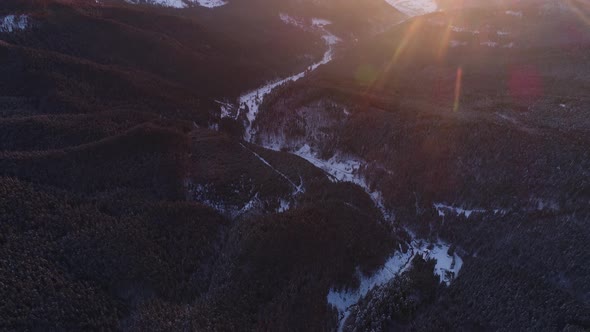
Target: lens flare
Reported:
[(444, 40), (400, 49), (458, 82), (581, 8), (403, 45)]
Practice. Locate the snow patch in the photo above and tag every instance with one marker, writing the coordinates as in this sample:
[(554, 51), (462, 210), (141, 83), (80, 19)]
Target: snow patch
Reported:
[(489, 44), (320, 22), (11, 23), (341, 168), (251, 101), (456, 43), (447, 266), (211, 3), (213, 126), (455, 28), (291, 20), (226, 109), (443, 209), (507, 118), (163, 3), (284, 205), (414, 7), (514, 13), (541, 204), (203, 193), (338, 167)]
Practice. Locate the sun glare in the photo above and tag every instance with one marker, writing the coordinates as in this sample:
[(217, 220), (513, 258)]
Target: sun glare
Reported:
[(581, 8)]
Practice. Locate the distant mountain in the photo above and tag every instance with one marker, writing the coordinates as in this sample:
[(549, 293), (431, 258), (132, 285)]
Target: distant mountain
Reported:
[(181, 3)]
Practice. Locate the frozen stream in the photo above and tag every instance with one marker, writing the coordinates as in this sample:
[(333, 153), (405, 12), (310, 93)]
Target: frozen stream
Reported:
[(447, 266), (343, 168), (253, 99)]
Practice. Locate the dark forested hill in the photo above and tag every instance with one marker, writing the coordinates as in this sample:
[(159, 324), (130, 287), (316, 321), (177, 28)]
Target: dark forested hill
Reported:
[(118, 206)]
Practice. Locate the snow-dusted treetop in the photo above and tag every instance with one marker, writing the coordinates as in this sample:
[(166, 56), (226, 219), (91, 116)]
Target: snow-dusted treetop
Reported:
[(10, 23)]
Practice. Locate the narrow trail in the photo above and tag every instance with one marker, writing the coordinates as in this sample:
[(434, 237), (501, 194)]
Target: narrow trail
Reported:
[(298, 188)]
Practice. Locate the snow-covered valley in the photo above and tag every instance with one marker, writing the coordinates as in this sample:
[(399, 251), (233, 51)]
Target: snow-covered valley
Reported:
[(343, 168)]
